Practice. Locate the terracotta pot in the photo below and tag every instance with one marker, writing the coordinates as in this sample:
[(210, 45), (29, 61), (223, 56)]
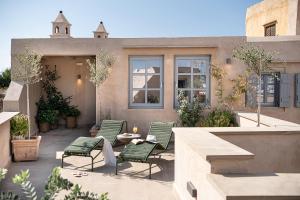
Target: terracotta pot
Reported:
[(44, 127), (54, 126), (26, 150), (71, 122)]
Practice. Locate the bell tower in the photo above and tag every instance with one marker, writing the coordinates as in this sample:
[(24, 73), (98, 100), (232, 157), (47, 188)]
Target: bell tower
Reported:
[(101, 31), (61, 28)]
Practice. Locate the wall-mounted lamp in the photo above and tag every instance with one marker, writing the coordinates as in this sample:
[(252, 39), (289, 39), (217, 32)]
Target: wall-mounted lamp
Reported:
[(228, 60), (78, 76)]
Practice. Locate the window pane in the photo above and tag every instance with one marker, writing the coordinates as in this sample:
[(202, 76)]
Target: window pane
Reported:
[(186, 93), (138, 81), (153, 81), (153, 66), (184, 66), (199, 81), (270, 99), (138, 96), (201, 95), (184, 81), (138, 66), (153, 96), (199, 66), (270, 89)]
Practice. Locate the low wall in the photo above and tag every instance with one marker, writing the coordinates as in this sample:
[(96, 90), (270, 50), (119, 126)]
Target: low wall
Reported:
[(199, 153), (16, 101), (241, 151), (5, 152), (275, 149)]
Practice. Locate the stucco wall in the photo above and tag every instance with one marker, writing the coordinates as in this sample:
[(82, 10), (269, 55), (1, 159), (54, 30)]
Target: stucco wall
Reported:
[(81, 90), (5, 153), (284, 12), (114, 92)]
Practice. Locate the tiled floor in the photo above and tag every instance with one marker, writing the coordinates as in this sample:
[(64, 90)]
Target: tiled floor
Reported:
[(131, 183)]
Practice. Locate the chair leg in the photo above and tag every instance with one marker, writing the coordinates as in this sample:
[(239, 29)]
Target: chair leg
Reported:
[(92, 163), (62, 161), (117, 167), (150, 170)]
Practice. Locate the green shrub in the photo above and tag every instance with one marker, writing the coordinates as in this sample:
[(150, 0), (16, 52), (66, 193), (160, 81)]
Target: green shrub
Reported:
[(72, 111), (19, 125), (189, 113), (50, 116), (5, 78), (54, 185), (219, 118)]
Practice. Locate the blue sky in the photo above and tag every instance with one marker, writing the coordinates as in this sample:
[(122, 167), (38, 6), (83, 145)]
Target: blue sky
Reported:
[(122, 18)]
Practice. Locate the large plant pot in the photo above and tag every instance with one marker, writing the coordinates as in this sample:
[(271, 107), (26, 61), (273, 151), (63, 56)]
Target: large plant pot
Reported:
[(26, 150), (44, 127), (54, 126), (71, 122)]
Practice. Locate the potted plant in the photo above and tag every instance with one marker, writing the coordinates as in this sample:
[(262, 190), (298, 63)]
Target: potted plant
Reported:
[(23, 148), (28, 70), (71, 114), (47, 119)]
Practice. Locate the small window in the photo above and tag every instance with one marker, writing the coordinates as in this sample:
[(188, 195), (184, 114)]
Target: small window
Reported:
[(146, 82), (270, 89), (99, 36), (67, 30), (56, 29), (192, 77), (270, 29)]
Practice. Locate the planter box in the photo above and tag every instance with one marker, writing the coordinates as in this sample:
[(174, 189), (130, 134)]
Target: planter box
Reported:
[(26, 150)]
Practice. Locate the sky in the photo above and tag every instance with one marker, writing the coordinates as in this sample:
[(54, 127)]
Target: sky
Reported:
[(122, 18)]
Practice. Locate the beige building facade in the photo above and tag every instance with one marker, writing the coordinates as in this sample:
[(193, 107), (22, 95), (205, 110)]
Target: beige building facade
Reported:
[(273, 18), (149, 72)]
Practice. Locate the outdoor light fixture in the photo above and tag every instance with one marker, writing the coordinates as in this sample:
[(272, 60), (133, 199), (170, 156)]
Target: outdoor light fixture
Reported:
[(228, 60), (79, 63)]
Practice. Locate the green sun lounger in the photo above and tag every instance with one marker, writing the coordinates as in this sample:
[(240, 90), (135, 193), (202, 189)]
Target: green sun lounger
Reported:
[(142, 152), (83, 146)]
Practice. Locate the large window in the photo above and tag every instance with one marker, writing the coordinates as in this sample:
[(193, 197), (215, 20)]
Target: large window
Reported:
[(270, 89), (192, 77), (146, 82)]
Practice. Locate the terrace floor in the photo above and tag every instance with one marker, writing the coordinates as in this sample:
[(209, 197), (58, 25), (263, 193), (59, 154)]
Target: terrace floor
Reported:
[(131, 183)]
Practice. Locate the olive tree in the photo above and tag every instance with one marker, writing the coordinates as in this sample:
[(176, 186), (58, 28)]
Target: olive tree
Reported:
[(257, 61), (99, 70), (28, 70)]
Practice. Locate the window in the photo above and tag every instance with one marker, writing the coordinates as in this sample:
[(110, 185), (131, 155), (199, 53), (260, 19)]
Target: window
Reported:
[(56, 29), (192, 77), (67, 30), (146, 82), (270, 29), (270, 89)]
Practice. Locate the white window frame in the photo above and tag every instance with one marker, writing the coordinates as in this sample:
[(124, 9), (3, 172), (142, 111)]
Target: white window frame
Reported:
[(146, 105)]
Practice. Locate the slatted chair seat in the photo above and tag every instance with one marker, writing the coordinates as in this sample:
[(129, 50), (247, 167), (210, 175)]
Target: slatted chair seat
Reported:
[(142, 152), (83, 146)]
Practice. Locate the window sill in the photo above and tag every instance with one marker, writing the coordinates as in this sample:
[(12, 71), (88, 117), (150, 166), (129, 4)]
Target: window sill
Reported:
[(145, 107)]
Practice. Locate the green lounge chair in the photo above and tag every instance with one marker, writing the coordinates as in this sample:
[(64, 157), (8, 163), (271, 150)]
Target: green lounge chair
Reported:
[(83, 146), (141, 152)]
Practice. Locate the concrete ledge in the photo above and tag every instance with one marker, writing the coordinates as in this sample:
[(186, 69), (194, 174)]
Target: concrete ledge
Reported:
[(257, 187), (209, 146), (250, 120)]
